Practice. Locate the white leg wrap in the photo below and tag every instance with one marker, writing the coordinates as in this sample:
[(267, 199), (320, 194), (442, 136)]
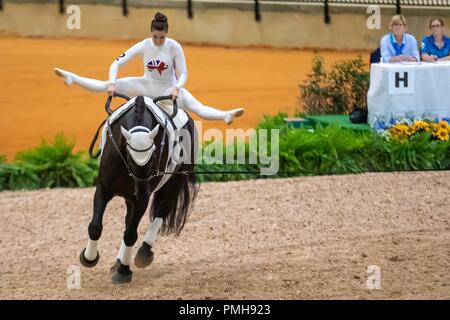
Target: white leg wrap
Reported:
[(120, 253), (125, 254), (91, 250), (152, 232)]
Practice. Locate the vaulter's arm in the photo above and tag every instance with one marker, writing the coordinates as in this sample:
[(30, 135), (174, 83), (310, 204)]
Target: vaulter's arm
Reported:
[(138, 48), (180, 65)]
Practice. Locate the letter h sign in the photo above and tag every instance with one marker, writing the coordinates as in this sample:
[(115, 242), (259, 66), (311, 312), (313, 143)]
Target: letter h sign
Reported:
[(401, 81)]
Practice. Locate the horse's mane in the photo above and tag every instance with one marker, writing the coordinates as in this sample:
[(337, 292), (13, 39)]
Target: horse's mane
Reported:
[(139, 111)]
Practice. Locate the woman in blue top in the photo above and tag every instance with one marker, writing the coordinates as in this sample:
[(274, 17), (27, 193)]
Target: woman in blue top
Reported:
[(398, 46), (436, 47)]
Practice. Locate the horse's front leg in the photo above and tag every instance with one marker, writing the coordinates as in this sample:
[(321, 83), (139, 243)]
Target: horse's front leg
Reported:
[(121, 272), (89, 256), (130, 210)]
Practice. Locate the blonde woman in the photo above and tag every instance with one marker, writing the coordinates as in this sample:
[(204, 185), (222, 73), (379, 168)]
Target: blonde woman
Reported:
[(397, 45)]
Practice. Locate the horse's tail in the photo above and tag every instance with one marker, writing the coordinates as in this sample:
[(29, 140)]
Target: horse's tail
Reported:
[(173, 200)]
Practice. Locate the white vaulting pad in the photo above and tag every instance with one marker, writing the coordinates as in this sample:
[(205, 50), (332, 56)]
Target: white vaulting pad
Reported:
[(179, 121)]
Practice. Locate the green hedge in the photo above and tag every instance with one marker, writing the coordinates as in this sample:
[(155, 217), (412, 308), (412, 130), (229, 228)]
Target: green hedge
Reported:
[(335, 91), (334, 150), (303, 151), (50, 165)]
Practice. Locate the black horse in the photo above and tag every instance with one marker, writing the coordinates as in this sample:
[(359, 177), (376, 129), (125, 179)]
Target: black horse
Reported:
[(132, 165)]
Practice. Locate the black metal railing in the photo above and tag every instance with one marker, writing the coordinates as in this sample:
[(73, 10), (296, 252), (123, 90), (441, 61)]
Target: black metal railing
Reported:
[(398, 4), (61, 7), (124, 7), (326, 4), (189, 9), (257, 11), (417, 3)]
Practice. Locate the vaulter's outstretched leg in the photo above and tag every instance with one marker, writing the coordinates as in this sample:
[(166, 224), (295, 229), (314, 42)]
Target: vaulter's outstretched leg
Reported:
[(188, 102), (87, 83), (130, 86)]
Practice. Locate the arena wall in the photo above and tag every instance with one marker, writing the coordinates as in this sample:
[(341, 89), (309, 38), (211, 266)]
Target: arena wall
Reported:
[(230, 24)]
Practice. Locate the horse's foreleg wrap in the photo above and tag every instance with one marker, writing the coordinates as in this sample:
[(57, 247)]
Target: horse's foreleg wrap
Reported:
[(152, 232), (90, 253), (124, 254)]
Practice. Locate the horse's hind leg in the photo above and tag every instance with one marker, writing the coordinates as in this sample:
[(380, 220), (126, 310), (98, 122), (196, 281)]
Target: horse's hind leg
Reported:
[(165, 202), (144, 256), (89, 256), (159, 208)]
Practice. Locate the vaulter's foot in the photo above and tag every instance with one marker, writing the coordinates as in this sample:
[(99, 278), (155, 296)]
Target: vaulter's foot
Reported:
[(65, 75), (235, 113)]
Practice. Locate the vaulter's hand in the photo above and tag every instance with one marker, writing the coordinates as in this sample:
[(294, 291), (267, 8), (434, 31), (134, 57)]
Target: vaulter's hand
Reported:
[(111, 89), (175, 93)]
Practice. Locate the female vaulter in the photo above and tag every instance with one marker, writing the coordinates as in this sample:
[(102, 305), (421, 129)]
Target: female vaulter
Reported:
[(165, 74)]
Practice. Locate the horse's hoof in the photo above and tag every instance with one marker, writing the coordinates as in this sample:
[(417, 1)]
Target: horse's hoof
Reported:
[(87, 263), (118, 278), (144, 256), (115, 267), (122, 275)]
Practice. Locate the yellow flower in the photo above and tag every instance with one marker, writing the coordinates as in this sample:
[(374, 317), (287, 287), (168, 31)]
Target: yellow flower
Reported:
[(444, 125), (401, 128), (400, 131), (434, 126), (441, 134), (409, 131), (420, 125)]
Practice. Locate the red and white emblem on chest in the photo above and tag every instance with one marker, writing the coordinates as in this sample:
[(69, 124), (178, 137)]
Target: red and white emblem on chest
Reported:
[(157, 65)]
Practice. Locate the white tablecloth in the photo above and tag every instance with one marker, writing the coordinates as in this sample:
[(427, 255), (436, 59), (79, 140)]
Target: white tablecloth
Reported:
[(424, 95)]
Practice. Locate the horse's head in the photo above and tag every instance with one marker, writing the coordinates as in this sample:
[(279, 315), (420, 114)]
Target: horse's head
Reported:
[(140, 144)]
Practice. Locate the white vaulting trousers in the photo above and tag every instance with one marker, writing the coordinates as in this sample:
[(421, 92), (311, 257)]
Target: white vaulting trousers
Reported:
[(135, 86)]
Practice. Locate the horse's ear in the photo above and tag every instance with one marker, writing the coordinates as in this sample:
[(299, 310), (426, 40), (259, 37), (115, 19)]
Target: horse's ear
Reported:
[(152, 134), (125, 133)]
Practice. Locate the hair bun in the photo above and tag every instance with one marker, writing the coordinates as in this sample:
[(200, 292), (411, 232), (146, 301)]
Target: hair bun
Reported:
[(160, 17)]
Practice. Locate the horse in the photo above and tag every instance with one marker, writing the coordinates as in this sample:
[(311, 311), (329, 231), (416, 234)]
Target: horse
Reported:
[(132, 165)]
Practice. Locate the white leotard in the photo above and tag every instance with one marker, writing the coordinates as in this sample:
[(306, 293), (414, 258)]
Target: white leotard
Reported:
[(165, 65), (165, 68)]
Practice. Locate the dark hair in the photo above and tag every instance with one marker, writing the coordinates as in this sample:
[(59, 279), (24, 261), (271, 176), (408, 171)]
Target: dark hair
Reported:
[(160, 23), (441, 21)]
